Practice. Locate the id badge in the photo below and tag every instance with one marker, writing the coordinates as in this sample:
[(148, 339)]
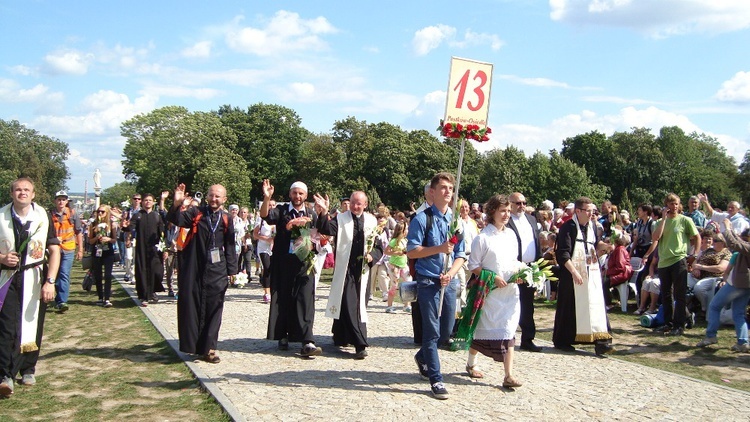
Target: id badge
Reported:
[(215, 256), (291, 246), (98, 252)]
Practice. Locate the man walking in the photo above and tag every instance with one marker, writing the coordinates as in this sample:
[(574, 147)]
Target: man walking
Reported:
[(527, 233), (292, 287), (26, 231), (68, 230), (347, 300), (432, 250), (207, 260), (147, 226)]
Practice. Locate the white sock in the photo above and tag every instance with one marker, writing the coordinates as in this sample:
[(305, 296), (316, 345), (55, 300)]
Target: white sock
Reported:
[(310, 345), (472, 361)]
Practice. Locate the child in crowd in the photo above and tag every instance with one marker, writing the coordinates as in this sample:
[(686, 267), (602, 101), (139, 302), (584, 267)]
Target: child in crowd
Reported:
[(397, 264)]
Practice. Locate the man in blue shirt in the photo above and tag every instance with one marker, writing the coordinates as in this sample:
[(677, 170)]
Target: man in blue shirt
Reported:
[(429, 248)]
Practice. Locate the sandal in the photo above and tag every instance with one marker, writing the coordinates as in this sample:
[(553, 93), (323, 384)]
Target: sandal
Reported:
[(510, 382), (474, 373), (211, 357)]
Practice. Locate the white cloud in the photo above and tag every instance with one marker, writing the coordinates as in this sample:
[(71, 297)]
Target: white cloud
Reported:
[(179, 91), (303, 89), (283, 33), (76, 157), (658, 19), (199, 50), (12, 92), (430, 38), (473, 38), (540, 82), (22, 70), (68, 62), (736, 89), (616, 100)]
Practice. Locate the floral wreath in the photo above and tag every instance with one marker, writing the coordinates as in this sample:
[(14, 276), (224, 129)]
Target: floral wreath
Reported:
[(459, 131)]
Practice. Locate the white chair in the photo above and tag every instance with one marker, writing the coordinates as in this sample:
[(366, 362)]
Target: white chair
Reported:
[(624, 288)]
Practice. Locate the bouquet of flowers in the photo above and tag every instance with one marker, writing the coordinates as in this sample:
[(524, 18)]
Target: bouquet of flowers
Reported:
[(240, 280), (101, 229), (370, 241), (535, 274), (302, 245), (36, 249), (459, 131), (162, 245)]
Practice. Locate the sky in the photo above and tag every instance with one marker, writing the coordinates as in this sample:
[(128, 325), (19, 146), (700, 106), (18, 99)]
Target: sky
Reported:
[(76, 70)]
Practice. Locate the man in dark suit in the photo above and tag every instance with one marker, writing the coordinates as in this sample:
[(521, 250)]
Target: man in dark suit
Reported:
[(527, 233)]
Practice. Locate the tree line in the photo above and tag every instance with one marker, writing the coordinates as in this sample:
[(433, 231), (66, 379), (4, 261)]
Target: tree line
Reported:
[(239, 147)]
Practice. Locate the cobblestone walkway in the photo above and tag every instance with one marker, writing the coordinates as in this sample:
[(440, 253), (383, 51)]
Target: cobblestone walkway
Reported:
[(254, 381)]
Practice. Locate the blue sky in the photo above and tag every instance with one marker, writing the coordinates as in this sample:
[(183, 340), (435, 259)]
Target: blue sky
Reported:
[(77, 70)]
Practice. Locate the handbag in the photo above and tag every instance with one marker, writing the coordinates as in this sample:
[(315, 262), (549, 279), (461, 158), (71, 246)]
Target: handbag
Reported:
[(87, 282), (86, 262)]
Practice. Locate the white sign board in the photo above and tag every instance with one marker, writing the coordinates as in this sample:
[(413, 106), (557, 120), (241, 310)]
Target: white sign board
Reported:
[(468, 99)]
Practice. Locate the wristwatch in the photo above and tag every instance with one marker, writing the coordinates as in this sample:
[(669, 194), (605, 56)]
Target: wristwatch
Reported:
[(50, 280)]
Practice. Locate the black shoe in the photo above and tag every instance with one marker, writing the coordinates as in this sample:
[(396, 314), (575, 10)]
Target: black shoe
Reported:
[(676, 332), (690, 323), (565, 347), (284, 344), (439, 391), (361, 354), (422, 367), (662, 329), (310, 350), (603, 349), (529, 346), (170, 294)]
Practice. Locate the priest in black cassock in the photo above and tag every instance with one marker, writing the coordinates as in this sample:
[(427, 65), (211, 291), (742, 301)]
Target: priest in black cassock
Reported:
[(208, 259), (292, 309), (147, 227), (347, 300)]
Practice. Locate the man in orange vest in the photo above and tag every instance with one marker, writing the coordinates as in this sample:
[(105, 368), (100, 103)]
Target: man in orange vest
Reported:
[(68, 229)]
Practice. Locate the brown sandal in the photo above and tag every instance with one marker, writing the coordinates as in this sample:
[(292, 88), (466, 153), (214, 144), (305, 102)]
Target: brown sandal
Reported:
[(211, 357), (510, 382), (474, 373)]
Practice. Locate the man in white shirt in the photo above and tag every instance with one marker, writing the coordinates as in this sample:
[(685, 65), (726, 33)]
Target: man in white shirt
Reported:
[(527, 232), (739, 222)]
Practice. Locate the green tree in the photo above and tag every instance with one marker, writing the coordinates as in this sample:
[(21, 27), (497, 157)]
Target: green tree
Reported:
[(592, 151), (118, 193), (27, 153), (269, 138), (742, 182), (504, 171), (323, 168)]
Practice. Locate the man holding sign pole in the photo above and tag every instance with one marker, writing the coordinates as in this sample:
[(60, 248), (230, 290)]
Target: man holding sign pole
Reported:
[(430, 250)]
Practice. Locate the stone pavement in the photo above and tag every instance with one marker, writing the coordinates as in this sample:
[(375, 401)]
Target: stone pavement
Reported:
[(255, 381)]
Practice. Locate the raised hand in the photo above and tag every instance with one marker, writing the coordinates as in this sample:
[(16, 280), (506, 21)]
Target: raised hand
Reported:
[(164, 194), (179, 193), (267, 188), (321, 204)]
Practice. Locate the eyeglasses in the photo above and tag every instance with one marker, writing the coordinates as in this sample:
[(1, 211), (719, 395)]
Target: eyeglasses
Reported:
[(101, 211), (520, 203), (136, 199), (585, 210)]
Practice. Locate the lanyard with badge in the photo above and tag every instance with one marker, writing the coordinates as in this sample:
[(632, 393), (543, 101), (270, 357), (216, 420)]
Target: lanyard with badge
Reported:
[(214, 254)]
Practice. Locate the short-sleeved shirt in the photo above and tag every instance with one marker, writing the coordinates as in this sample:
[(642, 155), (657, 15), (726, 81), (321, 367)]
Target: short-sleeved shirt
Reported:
[(673, 245), (399, 261), (432, 266)]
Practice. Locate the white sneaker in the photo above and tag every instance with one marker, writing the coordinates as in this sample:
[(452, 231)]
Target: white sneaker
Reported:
[(390, 310)]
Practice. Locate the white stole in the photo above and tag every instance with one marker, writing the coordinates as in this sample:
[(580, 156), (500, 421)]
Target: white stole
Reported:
[(344, 238), (32, 277), (591, 315)]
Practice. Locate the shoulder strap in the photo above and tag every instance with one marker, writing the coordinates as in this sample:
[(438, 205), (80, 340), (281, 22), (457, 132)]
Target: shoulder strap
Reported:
[(428, 225)]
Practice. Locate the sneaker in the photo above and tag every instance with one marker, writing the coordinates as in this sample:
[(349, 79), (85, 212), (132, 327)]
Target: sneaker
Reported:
[(741, 348), (707, 341), (390, 310), (6, 387), (284, 344), (385, 297), (639, 312), (675, 332), (266, 298), (107, 304), (99, 302), (171, 293), (28, 379), (407, 309), (422, 367), (62, 307), (439, 391)]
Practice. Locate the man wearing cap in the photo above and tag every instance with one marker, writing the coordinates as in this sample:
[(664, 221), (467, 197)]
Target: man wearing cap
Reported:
[(68, 230), (292, 288)]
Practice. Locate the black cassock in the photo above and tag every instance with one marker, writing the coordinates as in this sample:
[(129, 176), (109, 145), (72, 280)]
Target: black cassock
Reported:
[(148, 229), (292, 309), (349, 329), (202, 283)]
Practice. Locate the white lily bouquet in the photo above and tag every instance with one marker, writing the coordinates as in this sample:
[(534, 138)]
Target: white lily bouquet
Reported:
[(240, 280)]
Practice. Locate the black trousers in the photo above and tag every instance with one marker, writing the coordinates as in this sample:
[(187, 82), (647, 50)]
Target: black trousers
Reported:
[(12, 361), (528, 327), (674, 281)]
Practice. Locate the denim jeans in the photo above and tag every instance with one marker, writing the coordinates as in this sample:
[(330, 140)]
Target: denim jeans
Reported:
[(738, 298), (434, 330), (62, 282)]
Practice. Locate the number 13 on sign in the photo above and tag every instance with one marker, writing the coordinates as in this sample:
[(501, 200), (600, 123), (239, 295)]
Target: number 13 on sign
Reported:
[(468, 92)]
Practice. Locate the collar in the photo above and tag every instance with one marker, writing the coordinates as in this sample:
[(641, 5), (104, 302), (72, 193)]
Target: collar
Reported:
[(437, 213), (291, 208)]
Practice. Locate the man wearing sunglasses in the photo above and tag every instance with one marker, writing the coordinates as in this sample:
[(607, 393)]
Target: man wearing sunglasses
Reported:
[(527, 233)]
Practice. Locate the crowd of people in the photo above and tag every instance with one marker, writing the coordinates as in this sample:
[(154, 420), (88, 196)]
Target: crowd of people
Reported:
[(464, 269)]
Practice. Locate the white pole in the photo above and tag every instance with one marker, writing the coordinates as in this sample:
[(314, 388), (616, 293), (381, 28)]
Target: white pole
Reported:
[(455, 210)]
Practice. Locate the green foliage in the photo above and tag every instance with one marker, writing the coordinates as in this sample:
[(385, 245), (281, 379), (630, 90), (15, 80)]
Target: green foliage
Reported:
[(118, 193), (27, 153)]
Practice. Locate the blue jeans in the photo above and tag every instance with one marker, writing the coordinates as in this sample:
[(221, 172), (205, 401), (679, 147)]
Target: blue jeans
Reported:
[(62, 282), (738, 298), (434, 330)]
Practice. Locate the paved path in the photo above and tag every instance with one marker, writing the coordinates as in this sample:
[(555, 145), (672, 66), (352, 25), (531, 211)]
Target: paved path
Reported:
[(254, 381)]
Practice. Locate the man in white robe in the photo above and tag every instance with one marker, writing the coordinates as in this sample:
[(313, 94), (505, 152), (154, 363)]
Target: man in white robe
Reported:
[(355, 232)]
